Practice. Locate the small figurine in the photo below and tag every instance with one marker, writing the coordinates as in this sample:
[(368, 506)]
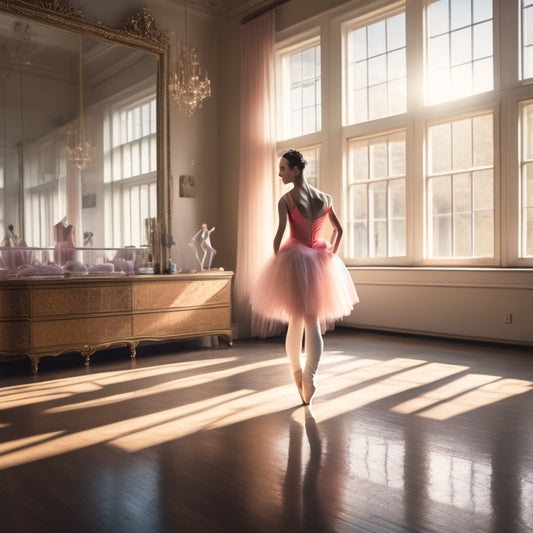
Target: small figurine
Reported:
[(201, 244), (11, 240)]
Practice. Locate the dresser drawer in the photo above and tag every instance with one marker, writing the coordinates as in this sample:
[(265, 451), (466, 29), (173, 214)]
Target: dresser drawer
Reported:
[(81, 300), (176, 294)]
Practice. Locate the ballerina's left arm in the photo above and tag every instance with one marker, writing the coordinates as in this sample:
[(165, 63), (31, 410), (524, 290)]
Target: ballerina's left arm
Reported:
[(337, 230)]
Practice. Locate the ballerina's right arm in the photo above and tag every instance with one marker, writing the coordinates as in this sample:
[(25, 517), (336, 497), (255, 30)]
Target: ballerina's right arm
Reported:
[(283, 211)]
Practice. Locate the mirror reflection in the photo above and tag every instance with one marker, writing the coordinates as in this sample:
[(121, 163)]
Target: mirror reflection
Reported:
[(78, 146)]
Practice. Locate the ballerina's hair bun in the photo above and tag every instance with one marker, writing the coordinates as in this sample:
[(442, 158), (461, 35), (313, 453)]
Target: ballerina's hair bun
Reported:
[(295, 159)]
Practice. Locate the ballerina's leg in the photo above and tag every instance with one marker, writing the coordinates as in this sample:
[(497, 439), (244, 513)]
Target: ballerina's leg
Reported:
[(314, 345), (293, 347)]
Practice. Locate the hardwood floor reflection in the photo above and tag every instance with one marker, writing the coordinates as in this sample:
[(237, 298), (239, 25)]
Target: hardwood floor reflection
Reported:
[(405, 434)]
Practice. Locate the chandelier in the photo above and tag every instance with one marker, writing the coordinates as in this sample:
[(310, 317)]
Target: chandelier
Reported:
[(188, 86), (79, 150)]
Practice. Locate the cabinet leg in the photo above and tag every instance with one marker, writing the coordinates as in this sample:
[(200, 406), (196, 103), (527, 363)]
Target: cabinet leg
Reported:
[(226, 339), (87, 355), (34, 361), (133, 349)]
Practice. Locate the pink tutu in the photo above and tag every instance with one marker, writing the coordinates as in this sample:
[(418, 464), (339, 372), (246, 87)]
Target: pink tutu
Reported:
[(303, 280)]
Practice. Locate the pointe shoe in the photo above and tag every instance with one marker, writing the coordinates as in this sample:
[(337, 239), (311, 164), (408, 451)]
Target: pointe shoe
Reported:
[(297, 376), (308, 391)]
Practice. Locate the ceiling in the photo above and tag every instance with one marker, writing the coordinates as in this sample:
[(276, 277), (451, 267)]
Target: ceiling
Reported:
[(231, 8)]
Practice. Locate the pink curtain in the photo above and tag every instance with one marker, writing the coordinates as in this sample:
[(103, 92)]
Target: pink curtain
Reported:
[(256, 211)]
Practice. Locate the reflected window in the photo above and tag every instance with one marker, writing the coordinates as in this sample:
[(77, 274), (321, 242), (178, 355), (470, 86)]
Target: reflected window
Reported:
[(378, 460), (130, 175), (462, 483)]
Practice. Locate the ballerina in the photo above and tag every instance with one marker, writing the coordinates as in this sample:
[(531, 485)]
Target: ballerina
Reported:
[(304, 284)]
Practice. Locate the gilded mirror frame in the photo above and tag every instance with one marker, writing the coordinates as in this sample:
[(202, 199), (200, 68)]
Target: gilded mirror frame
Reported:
[(143, 33)]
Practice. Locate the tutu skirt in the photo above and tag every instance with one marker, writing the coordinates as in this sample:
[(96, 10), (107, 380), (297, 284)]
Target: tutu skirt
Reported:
[(301, 281)]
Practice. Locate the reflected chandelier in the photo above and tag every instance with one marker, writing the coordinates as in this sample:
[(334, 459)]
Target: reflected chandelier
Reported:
[(188, 86), (79, 150)]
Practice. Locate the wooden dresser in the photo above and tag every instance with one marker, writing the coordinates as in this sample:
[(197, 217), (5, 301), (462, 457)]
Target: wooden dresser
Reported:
[(46, 316)]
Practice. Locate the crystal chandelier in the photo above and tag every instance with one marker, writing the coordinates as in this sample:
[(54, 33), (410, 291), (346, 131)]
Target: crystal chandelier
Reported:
[(79, 150), (188, 86)]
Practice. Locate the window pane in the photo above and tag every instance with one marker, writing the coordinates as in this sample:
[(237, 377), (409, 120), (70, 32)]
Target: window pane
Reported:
[(397, 157), (358, 163), (308, 64), (296, 67), (484, 234), (440, 191), (482, 141), (397, 96), (483, 190), (360, 202), (460, 13), (396, 65), (377, 70), (439, 52), (439, 21), (397, 198), (357, 49), (378, 160), (395, 32), (462, 239), (378, 200), (461, 46), (482, 40), (377, 101), (482, 10), (462, 193), (440, 152), (462, 144), (376, 38), (483, 75)]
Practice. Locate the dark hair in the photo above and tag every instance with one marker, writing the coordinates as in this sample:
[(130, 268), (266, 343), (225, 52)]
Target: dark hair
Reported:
[(295, 159)]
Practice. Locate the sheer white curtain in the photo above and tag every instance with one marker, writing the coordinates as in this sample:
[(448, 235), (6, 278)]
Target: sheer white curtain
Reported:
[(256, 210)]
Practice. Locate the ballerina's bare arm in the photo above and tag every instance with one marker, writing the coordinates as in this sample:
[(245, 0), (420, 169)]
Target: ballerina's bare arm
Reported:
[(283, 211), (337, 230)]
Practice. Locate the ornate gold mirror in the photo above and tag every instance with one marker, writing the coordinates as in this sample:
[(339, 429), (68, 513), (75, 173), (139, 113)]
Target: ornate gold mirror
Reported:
[(83, 130)]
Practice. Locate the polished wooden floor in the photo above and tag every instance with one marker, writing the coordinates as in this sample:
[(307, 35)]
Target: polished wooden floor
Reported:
[(405, 434)]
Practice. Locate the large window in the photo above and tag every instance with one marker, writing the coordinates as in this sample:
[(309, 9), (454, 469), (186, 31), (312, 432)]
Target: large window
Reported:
[(428, 151), (376, 69), (301, 110), (526, 178), (527, 38), (376, 196), (460, 188), (459, 49)]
